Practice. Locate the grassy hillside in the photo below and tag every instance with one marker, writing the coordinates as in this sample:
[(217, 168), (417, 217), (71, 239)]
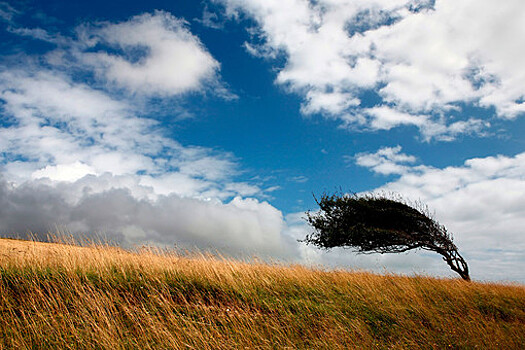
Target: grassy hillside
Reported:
[(63, 296)]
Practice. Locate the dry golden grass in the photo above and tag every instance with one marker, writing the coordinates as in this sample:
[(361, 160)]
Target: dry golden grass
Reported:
[(99, 297)]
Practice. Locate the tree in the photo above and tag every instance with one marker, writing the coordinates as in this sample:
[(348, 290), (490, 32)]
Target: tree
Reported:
[(378, 224)]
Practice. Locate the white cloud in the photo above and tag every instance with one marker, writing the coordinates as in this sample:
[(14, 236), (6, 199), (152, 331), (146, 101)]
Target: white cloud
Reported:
[(64, 130), (457, 52), (153, 54), (160, 55), (7, 12), (39, 34), (386, 161), (64, 172), (210, 19), (298, 179), (423, 59), (55, 121), (481, 202), (318, 101), (385, 118)]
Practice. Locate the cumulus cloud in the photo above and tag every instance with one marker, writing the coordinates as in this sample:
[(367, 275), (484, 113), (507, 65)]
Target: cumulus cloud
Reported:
[(54, 121), (481, 202), (386, 161), (159, 54), (64, 172), (152, 54), (425, 59)]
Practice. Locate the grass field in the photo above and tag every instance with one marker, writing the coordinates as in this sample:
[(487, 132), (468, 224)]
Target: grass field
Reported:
[(99, 297)]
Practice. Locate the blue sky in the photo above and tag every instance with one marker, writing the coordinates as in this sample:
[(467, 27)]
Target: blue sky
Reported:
[(209, 124)]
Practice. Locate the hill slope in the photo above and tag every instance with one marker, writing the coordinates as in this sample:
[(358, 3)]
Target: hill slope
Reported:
[(63, 296)]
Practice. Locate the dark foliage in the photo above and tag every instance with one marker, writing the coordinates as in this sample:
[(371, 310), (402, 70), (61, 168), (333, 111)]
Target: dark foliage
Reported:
[(378, 224)]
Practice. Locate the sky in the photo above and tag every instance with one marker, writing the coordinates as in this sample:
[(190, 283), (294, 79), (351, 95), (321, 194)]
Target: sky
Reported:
[(211, 124)]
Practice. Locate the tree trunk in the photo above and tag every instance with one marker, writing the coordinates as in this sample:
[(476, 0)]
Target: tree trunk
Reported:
[(456, 263)]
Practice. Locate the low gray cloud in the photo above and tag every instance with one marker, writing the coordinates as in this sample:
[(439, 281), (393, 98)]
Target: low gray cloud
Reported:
[(241, 227)]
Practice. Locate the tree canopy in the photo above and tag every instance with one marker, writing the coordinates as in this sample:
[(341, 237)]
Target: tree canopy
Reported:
[(378, 224)]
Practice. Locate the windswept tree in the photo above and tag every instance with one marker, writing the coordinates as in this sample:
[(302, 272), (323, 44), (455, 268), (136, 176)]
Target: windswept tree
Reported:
[(378, 224)]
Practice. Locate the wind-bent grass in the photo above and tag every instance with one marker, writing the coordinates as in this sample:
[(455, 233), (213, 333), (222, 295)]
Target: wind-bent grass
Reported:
[(64, 296)]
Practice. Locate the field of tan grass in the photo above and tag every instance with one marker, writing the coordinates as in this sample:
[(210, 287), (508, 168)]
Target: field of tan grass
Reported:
[(101, 297)]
